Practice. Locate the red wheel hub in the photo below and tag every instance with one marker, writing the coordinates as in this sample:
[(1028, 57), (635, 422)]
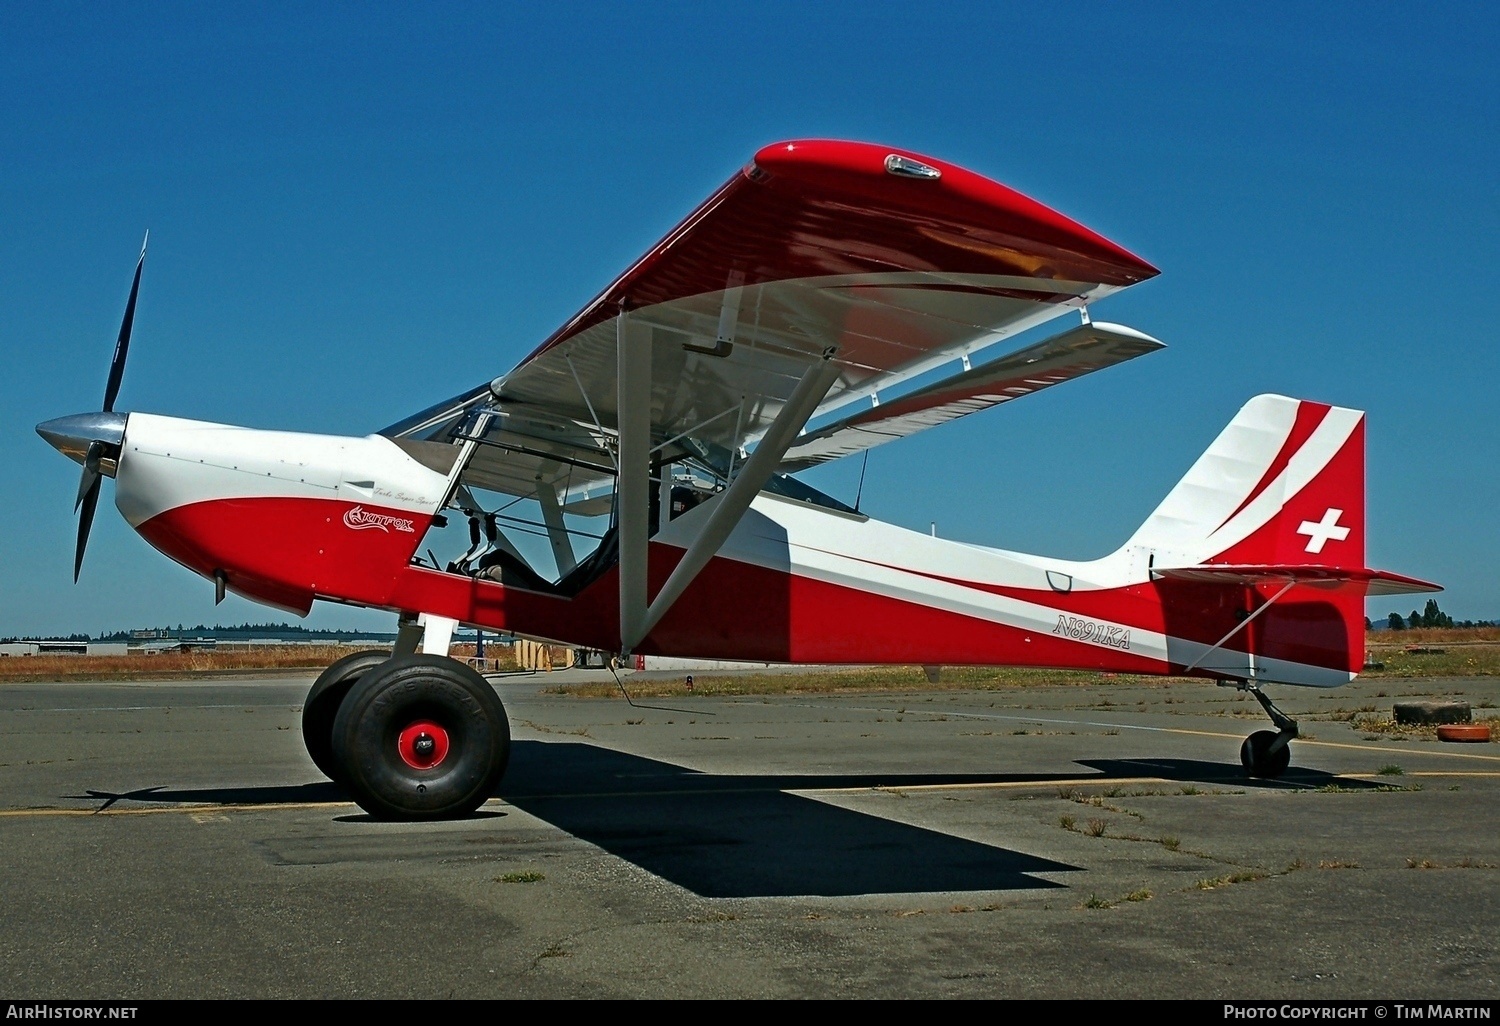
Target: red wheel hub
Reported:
[(423, 745)]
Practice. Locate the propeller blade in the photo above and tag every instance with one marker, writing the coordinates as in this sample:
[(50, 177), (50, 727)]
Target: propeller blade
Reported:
[(85, 521), (122, 345), (90, 471), (87, 481)]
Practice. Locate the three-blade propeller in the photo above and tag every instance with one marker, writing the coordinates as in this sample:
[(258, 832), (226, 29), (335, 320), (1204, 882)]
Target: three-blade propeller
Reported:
[(92, 438)]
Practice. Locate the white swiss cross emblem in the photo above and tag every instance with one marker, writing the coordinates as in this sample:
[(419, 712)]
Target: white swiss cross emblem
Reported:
[(1320, 532)]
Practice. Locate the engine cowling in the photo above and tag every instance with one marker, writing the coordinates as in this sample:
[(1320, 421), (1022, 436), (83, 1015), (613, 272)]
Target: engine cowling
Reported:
[(285, 517)]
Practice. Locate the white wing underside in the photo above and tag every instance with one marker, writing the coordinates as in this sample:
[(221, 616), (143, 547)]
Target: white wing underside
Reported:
[(716, 389)]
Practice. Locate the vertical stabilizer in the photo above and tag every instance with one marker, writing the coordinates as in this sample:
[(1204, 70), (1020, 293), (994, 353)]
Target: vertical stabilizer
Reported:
[(1258, 554), (1283, 484)]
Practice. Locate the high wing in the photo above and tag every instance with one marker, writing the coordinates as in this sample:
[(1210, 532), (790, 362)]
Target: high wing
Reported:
[(1078, 351), (886, 262)]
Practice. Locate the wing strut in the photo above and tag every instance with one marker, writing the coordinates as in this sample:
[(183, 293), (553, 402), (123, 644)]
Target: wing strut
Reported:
[(557, 530), (633, 418), (731, 504)]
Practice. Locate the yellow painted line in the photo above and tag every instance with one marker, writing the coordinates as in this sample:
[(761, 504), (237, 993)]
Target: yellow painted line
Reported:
[(686, 792), (1451, 773), (997, 785), (1339, 744), (1343, 744), (1231, 781), (1403, 751), (1111, 782), (1221, 734), (1199, 733), (157, 810)]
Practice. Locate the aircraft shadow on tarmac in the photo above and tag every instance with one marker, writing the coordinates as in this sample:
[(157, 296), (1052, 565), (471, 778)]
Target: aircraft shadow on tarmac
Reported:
[(1218, 774), (740, 836), (746, 835)]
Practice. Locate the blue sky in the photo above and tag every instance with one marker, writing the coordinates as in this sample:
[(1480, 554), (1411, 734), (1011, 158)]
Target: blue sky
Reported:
[(358, 209)]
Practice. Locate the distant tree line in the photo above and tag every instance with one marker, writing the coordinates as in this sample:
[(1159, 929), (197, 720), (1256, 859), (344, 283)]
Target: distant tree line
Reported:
[(258, 630), (255, 630), (47, 637), (1430, 616)]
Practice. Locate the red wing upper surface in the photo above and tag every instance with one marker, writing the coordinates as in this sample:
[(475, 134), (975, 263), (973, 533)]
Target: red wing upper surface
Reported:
[(900, 261)]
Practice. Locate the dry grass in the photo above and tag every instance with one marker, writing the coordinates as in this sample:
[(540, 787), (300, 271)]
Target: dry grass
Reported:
[(1095, 901), (501, 658), (1458, 660), (1464, 863), (1231, 878), (862, 678), (1471, 652), (1375, 727), (1385, 725), (1430, 635), (1468, 652), (203, 663)]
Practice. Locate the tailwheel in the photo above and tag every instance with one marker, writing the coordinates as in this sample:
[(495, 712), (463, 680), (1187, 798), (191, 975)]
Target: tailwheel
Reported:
[(1267, 753), (322, 706), (422, 737), (1263, 756)]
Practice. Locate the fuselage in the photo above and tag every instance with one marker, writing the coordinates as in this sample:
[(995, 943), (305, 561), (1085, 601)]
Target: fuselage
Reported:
[(288, 518)]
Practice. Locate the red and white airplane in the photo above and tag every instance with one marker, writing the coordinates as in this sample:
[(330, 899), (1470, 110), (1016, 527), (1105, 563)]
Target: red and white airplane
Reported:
[(628, 486)]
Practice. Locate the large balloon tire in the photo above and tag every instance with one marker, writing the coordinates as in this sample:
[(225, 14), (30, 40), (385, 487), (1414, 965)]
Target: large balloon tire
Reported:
[(322, 706), (412, 702)]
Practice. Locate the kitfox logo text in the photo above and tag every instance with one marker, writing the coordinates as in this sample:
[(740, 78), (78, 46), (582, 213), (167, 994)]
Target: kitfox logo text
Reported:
[(361, 519), (1087, 630)]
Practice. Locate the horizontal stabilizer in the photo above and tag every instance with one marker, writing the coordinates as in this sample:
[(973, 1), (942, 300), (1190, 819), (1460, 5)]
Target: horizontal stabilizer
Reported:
[(1072, 354), (1376, 582)]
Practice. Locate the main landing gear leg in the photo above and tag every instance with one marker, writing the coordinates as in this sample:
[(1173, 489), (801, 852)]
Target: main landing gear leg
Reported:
[(1267, 753)]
